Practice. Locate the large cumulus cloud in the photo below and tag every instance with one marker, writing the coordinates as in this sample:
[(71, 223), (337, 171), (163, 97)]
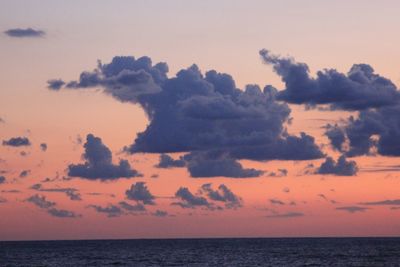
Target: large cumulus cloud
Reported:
[(98, 163), (194, 111), (361, 88), (376, 130)]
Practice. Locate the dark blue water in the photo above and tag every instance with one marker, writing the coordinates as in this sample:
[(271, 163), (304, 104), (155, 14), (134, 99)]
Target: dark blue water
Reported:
[(205, 252)]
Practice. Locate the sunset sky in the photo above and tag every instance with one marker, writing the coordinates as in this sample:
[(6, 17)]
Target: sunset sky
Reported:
[(161, 119)]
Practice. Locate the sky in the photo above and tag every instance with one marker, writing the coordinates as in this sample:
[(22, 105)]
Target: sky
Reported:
[(178, 119)]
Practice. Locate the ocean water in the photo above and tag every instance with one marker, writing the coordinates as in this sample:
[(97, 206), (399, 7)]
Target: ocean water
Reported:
[(205, 252)]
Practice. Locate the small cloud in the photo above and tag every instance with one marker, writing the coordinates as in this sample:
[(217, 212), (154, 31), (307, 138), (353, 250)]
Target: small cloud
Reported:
[(352, 209), (55, 84), (43, 146), (391, 202), (24, 33), (24, 173), (17, 142), (140, 193), (160, 213), (189, 200), (290, 214), (275, 201), (167, 161), (341, 168), (2, 179), (63, 213), (110, 210)]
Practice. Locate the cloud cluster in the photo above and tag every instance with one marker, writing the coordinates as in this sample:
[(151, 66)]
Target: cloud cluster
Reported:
[(222, 194), (17, 142), (50, 207), (98, 163), (72, 193), (24, 33), (199, 112), (207, 198), (342, 167), (361, 88)]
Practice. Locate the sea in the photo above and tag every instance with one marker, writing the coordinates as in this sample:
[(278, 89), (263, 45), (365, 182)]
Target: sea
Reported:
[(204, 252)]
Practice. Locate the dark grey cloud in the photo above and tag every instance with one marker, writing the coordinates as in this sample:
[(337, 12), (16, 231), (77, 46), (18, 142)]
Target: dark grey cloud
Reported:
[(55, 84), (279, 173), (110, 210), (24, 173), (17, 142), (2, 120), (25, 33), (2, 179), (342, 167), (98, 163), (352, 209), (140, 193), (43, 146), (275, 201), (361, 88), (391, 202), (160, 213), (217, 164), (132, 208), (167, 161), (72, 193), (189, 200), (41, 201), (3, 200), (222, 194), (374, 130), (192, 111), (63, 213), (290, 214)]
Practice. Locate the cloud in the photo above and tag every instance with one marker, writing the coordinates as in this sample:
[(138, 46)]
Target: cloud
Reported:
[(132, 208), (290, 214), (216, 164), (43, 146), (2, 120), (63, 213), (72, 193), (167, 161), (22, 33), (352, 209), (188, 200), (55, 84), (2, 179), (341, 168), (98, 163), (41, 201), (24, 173), (222, 194), (17, 142), (374, 130), (196, 112), (160, 213), (275, 201), (361, 88), (110, 210), (140, 193), (391, 202)]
